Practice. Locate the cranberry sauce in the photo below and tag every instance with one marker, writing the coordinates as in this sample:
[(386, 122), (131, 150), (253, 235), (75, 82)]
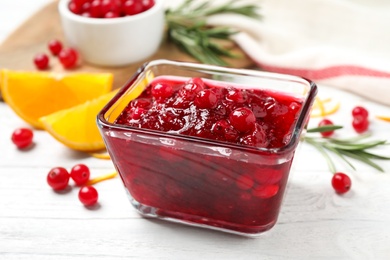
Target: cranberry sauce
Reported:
[(250, 117), (238, 190)]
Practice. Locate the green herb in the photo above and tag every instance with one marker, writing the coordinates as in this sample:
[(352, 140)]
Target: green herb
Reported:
[(347, 148), (187, 29)]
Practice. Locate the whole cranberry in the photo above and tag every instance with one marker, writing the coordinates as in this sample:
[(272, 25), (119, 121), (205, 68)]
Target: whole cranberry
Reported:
[(341, 182), (326, 122)]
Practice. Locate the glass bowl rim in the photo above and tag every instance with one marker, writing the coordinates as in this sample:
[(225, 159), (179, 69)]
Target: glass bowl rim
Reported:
[(298, 125)]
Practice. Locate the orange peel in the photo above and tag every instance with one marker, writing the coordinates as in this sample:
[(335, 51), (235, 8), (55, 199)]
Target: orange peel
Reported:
[(102, 178), (324, 107), (104, 156), (32, 95), (76, 127), (384, 118)]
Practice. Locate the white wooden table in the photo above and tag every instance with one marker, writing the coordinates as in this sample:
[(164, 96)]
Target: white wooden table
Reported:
[(315, 223)]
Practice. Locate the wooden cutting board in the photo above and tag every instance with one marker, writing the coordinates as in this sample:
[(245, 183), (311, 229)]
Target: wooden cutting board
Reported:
[(18, 50)]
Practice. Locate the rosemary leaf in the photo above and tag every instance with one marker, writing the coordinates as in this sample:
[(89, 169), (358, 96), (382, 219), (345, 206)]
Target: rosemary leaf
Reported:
[(358, 156), (351, 139), (338, 153), (324, 128), (329, 161), (187, 28), (354, 147)]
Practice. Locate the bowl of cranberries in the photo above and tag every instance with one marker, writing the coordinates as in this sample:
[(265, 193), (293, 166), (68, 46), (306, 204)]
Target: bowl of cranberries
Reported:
[(207, 146), (113, 32)]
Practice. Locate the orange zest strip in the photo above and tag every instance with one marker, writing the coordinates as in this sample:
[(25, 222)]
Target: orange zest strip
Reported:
[(102, 178), (384, 118), (104, 156), (320, 108)]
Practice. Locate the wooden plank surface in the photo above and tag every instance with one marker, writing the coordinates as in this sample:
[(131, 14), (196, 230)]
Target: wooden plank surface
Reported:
[(18, 50), (37, 223)]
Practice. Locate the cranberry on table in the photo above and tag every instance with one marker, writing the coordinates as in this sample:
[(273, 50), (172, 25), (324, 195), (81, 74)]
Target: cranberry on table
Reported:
[(341, 182), (359, 111), (22, 137), (55, 46), (360, 124), (326, 122), (58, 178), (41, 61), (80, 174), (68, 57), (88, 195)]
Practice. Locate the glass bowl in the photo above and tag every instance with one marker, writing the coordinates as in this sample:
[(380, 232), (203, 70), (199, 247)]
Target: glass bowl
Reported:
[(231, 187)]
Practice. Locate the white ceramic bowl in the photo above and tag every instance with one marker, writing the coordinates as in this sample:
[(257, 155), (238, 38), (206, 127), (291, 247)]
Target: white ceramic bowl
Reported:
[(114, 41)]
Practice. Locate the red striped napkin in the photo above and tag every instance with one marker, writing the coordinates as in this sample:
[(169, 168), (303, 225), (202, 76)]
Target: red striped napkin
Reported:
[(339, 43)]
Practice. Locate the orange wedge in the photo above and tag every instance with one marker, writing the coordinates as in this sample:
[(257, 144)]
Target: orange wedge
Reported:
[(76, 127), (35, 94)]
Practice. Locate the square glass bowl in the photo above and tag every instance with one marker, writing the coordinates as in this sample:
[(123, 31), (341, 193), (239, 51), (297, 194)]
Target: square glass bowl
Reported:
[(197, 181)]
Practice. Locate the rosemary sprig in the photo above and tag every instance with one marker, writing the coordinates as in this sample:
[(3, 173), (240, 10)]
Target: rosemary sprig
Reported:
[(355, 148), (187, 29)]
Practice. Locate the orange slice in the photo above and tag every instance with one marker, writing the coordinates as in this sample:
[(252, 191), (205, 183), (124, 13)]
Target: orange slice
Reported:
[(76, 127), (35, 94)]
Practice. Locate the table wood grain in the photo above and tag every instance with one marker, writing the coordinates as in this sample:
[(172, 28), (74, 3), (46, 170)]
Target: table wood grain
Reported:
[(314, 223)]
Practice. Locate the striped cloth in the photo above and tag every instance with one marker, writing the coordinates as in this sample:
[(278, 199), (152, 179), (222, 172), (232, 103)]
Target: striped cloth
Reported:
[(339, 43)]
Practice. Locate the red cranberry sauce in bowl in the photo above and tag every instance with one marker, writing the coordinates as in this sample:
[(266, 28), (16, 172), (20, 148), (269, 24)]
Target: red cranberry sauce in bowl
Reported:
[(202, 151)]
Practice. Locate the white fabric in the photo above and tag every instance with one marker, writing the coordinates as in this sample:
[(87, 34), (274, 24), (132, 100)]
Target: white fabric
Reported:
[(340, 43)]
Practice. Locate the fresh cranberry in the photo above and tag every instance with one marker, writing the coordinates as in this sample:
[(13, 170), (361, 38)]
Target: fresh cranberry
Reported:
[(132, 7), (96, 9), (341, 182), (360, 124), (41, 61), (86, 14), (79, 2), (88, 195), (58, 178), (22, 137), (111, 14), (359, 111), (147, 4), (110, 6), (68, 57), (242, 119), (55, 46), (326, 122), (74, 8), (86, 8), (80, 174)]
